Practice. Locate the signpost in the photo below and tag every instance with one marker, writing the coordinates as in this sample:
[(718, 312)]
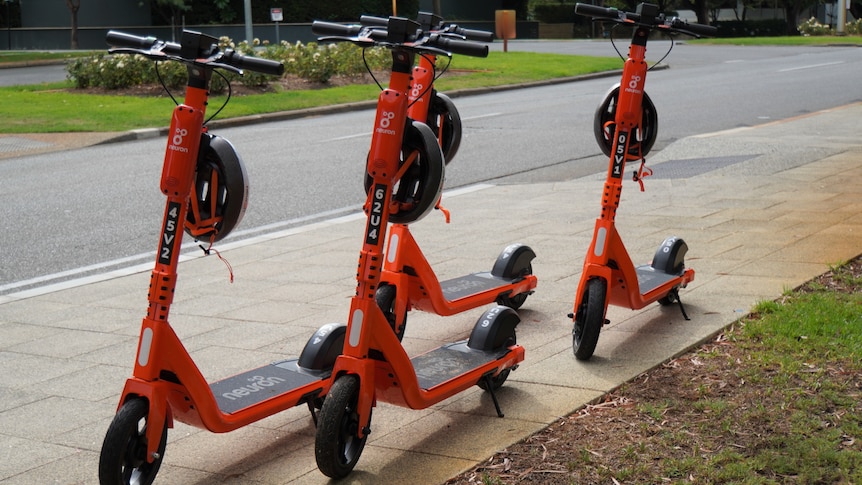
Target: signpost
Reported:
[(277, 16)]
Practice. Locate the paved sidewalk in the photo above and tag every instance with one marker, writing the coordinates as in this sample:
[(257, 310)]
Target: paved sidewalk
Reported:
[(762, 209)]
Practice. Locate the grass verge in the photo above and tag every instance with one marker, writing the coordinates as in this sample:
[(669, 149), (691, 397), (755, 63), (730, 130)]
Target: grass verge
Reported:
[(58, 108), (776, 398)]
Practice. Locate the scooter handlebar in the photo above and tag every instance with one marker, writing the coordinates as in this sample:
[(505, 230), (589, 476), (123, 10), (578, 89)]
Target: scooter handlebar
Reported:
[(119, 39), (456, 46), (474, 35), (319, 27), (265, 66), (698, 30), (596, 11), (674, 24), (372, 21)]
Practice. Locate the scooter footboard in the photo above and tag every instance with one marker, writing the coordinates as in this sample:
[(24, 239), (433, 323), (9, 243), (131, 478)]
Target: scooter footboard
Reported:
[(449, 361), (266, 382)]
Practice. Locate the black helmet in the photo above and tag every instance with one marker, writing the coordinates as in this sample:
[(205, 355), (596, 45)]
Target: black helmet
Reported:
[(444, 120), (220, 190), (604, 124), (419, 189)]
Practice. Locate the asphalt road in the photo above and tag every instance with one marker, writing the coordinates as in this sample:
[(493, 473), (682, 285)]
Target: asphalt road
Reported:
[(18, 76), (79, 212)]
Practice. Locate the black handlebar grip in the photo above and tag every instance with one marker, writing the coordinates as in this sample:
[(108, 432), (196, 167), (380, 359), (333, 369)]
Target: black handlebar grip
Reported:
[(319, 27), (116, 38), (122, 39), (698, 30), (456, 46), (371, 21), (265, 66), (596, 11), (476, 35)]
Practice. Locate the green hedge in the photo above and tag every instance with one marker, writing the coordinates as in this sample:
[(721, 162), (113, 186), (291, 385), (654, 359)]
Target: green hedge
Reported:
[(312, 61)]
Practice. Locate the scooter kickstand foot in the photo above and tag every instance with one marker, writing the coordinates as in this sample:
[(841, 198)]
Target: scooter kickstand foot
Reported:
[(681, 307), (490, 388)]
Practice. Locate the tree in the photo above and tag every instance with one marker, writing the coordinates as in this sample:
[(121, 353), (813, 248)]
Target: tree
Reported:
[(74, 6), (700, 8), (792, 9)]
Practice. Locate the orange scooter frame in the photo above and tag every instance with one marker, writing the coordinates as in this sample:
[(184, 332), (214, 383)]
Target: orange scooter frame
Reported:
[(510, 280), (609, 277), (166, 385), (374, 366)]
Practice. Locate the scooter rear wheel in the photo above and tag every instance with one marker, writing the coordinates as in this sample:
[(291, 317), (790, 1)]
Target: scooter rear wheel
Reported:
[(516, 301), (496, 382), (123, 459), (337, 447), (589, 318)]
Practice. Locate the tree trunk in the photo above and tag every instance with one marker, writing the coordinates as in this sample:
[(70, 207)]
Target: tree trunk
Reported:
[(74, 6), (700, 8)]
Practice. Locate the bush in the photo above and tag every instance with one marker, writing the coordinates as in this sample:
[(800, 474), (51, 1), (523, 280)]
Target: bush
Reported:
[(854, 28), (312, 61), (813, 27)]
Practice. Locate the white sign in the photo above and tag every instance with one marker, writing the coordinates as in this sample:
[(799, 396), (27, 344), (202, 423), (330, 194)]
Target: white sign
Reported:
[(276, 14)]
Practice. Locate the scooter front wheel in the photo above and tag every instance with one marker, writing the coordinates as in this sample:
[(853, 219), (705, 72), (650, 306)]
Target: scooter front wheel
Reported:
[(123, 460), (589, 318), (337, 446)]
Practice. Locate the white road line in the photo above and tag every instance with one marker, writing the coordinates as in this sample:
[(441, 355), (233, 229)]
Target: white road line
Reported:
[(811, 66)]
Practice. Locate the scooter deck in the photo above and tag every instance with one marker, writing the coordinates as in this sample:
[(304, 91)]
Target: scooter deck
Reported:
[(258, 385), (650, 278), (449, 361), (471, 284)]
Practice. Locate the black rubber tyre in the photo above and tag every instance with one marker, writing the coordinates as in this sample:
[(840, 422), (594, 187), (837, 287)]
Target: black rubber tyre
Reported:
[(123, 457), (668, 300), (385, 298), (589, 319), (336, 446), (445, 122), (496, 382), (516, 301)]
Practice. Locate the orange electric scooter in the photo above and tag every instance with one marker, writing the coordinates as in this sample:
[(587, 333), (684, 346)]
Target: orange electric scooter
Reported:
[(206, 187), (625, 127), (426, 103), (510, 280), (405, 165)]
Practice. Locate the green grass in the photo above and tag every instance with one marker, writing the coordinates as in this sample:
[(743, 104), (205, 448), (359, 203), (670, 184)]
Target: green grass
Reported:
[(810, 347), (58, 108)]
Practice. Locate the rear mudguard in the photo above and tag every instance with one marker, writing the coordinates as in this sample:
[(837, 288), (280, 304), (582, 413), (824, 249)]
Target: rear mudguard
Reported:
[(495, 329), (513, 262), (670, 256), (323, 347)]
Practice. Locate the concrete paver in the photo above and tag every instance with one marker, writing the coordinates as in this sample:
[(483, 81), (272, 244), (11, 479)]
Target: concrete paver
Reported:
[(785, 208)]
